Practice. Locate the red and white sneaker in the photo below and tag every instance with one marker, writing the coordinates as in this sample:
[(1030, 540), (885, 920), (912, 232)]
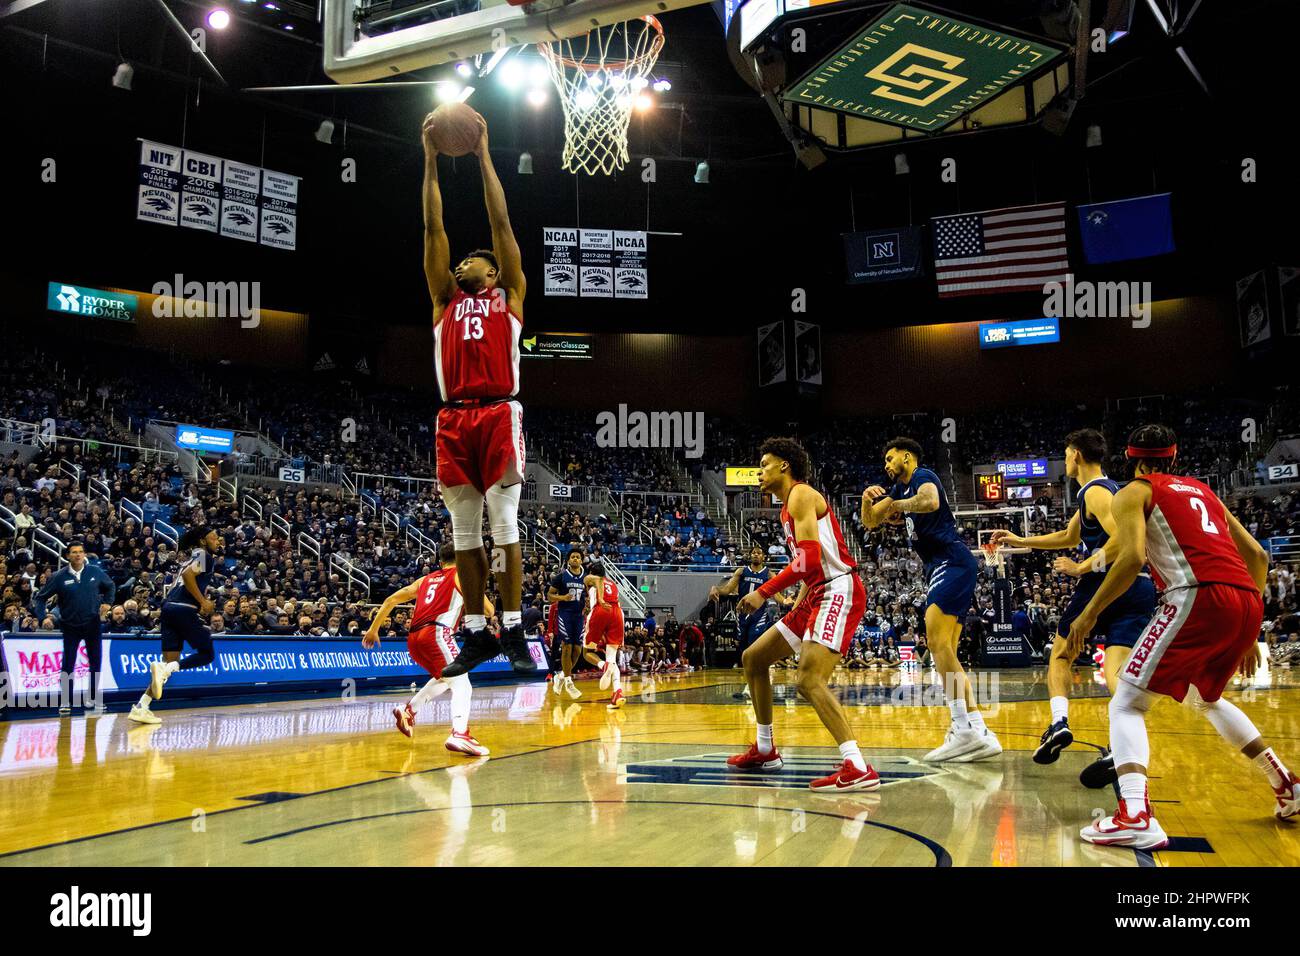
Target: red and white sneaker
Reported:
[(1140, 832), (606, 675), (465, 744), (1288, 798), (616, 702), (752, 759), (405, 718), (846, 778)]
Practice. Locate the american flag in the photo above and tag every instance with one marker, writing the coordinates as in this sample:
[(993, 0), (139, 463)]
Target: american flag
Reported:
[(1000, 250)]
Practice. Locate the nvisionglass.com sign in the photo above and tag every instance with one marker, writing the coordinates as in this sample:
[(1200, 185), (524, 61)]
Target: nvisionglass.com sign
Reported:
[(96, 303), (920, 70)]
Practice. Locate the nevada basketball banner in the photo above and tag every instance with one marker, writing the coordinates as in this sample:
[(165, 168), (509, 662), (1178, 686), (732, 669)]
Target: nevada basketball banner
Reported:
[(241, 186), (595, 263), (200, 191), (560, 266), (279, 209), (159, 197)]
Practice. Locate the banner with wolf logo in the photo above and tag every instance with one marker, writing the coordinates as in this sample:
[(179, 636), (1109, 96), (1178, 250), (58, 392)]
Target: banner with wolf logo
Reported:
[(883, 255), (630, 278), (560, 264), (200, 191), (241, 186), (279, 204), (159, 196)]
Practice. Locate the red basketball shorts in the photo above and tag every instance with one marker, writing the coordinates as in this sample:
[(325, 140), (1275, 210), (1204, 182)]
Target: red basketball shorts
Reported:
[(432, 647), (604, 626), (828, 614), (480, 446), (1198, 636)]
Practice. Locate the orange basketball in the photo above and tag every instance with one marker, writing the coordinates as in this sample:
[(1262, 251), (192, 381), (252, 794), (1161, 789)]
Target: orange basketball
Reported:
[(455, 128)]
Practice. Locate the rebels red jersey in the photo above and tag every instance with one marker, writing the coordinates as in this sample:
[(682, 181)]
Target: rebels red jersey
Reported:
[(438, 602), (608, 593), (476, 347), (1188, 540), (836, 559)]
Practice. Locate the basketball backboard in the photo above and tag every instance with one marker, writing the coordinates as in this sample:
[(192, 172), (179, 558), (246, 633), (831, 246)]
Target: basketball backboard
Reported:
[(364, 40)]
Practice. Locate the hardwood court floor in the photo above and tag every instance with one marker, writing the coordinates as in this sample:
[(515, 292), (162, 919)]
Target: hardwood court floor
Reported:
[(330, 782)]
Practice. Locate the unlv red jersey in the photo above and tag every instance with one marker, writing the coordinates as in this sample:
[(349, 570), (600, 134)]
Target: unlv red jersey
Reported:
[(1188, 539), (476, 347), (608, 593), (836, 559), (438, 602)]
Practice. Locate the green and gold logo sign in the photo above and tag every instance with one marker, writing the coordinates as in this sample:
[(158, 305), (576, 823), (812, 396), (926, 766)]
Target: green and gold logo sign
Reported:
[(920, 70)]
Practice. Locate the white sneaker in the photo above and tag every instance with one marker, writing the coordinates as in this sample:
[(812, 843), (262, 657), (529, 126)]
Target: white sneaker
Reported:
[(955, 743), (571, 689), (1140, 833), (607, 675), (157, 677), (142, 715), (989, 746), (466, 744)]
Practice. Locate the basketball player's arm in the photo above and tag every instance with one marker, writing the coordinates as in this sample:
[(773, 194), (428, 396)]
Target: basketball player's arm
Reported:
[(1098, 501), (925, 500), (405, 596), (594, 582), (503, 237), (876, 507), (1251, 551), (1128, 511), (189, 577), (1067, 537), (43, 595), (806, 563), (553, 594), (437, 250), (731, 587)]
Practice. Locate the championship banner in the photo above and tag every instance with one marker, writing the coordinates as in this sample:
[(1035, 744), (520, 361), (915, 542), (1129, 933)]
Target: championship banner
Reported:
[(559, 263), (771, 354), (279, 204), (1252, 309), (200, 191), (883, 255), (1288, 278), (595, 258), (808, 352), (241, 186), (160, 183), (630, 280)]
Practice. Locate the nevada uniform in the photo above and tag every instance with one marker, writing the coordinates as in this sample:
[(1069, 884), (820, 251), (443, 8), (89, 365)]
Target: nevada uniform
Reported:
[(438, 607), (568, 616), (950, 569), (1211, 611), (832, 606), (750, 627), (480, 433), (180, 620), (1127, 617), (605, 622)]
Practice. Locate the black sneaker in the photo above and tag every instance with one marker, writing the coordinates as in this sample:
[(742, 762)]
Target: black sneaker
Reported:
[(515, 646), (479, 646), (1055, 739), (1100, 773)]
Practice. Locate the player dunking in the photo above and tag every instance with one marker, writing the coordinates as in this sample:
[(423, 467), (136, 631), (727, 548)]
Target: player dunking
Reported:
[(438, 607), (951, 571), (603, 633), (478, 316), (826, 613), (1212, 573), (565, 595), (184, 610), (1124, 621), (745, 579)]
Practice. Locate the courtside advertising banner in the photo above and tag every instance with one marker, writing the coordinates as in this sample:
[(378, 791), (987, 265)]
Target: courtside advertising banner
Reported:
[(247, 663), (241, 186), (200, 191), (159, 194), (279, 209)]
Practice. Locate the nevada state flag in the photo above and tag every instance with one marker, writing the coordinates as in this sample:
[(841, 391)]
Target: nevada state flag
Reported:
[(1126, 229)]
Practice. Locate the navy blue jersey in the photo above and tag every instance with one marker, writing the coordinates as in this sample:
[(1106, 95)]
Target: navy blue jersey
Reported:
[(567, 582), (1092, 536), (932, 534), (201, 561), (751, 580)]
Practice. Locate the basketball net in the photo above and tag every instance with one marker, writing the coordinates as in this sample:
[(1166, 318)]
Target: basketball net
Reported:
[(598, 77)]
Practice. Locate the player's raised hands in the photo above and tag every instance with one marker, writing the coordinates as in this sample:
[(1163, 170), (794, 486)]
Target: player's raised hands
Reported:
[(426, 135), (481, 149)]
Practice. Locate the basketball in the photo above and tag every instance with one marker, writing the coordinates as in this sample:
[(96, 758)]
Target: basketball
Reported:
[(455, 128)]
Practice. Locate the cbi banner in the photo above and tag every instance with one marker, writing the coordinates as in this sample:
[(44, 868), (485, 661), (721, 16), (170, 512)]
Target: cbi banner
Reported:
[(200, 191)]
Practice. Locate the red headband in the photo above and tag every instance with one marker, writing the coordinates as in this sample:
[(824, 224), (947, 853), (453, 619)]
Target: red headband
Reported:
[(1135, 452)]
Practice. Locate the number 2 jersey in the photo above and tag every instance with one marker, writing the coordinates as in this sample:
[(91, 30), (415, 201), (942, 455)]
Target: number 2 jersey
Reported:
[(476, 347), (1188, 540)]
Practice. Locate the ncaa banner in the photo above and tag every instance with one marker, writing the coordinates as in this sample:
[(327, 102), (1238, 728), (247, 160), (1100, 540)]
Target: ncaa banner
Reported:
[(241, 185), (159, 191), (560, 263), (595, 254), (279, 209), (200, 191), (630, 280), (883, 255)]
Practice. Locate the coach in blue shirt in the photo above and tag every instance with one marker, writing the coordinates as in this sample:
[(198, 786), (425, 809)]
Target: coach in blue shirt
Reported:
[(83, 592)]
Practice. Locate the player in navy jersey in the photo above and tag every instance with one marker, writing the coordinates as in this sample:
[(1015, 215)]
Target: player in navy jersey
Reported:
[(1123, 621), (567, 590), (184, 610), (749, 627), (917, 498)]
